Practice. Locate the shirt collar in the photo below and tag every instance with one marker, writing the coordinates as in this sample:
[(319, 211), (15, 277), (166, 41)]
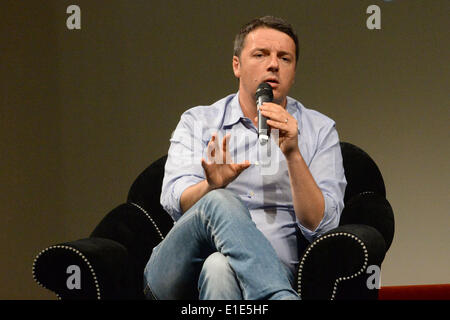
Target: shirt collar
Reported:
[(233, 112), (292, 108)]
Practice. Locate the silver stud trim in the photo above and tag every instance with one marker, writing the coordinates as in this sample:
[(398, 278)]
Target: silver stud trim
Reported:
[(91, 269), (366, 192), (84, 258), (340, 279), (151, 220)]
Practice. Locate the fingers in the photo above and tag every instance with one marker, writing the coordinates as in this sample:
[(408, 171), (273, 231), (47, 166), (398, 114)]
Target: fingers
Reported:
[(217, 154), (226, 158), (272, 114), (244, 165), (221, 156), (212, 147), (225, 142), (277, 116), (239, 167), (277, 124)]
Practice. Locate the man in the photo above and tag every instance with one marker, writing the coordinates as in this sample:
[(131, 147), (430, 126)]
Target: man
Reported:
[(237, 229)]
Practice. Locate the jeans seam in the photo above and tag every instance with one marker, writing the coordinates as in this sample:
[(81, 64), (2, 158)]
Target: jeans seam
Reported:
[(147, 289), (209, 228)]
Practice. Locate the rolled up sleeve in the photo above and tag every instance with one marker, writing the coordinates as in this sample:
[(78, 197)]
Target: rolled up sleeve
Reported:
[(328, 171), (183, 167)]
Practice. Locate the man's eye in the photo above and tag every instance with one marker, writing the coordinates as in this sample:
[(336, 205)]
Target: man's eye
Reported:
[(286, 59)]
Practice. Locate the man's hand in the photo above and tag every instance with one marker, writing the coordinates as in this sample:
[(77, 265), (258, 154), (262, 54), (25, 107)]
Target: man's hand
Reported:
[(308, 200), (279, 118), (219, 169), (219, 172)]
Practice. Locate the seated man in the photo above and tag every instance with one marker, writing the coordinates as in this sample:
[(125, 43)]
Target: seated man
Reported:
[(238, 221)]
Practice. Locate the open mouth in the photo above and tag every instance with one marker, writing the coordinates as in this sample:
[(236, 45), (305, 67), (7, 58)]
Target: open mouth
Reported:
[(272, 82)]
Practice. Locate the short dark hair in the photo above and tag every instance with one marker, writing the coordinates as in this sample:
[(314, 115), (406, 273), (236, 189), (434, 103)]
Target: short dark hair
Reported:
[(267, 22)]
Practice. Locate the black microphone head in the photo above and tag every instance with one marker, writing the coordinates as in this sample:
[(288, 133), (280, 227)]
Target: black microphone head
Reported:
[(264, 91)]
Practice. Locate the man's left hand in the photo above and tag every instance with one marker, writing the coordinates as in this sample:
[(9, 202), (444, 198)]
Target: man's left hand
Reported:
[(279, 118)]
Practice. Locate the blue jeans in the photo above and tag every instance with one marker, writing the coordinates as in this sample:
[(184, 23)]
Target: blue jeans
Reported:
[(218, 222)]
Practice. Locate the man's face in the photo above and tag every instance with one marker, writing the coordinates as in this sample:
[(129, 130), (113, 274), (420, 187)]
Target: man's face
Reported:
[(268, 55)]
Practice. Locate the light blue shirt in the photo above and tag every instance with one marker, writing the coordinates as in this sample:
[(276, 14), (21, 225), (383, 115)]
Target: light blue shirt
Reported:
[(267, 194)]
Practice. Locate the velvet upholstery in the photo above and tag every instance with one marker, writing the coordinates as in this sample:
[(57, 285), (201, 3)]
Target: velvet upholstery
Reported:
[(334, 266), (361, 171), (373, 210), (106, 270), (113, 257), (146, 191)]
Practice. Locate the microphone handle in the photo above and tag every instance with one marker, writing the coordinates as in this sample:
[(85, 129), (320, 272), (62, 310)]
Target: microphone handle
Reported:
[(263, 129)]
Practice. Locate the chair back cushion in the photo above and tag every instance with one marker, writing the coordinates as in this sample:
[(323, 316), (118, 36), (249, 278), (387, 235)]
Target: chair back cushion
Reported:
[(146, 192), (365, 196), (361, 172)]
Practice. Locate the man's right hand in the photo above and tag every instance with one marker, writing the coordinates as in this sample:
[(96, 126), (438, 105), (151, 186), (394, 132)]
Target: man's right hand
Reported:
[(220, 169), (219, 172)]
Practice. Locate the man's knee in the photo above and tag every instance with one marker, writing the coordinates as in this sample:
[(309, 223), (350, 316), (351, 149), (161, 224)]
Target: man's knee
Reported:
[(222, 195), (217, 279), (226, 200), (216, 264)]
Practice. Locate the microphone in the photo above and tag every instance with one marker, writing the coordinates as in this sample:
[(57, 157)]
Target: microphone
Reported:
[(263, 94)]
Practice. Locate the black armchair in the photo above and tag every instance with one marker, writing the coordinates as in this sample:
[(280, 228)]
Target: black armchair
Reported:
[(109, 263)]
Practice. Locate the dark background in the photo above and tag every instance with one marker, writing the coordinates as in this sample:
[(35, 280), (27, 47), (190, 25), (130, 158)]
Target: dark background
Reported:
[(83, 112)]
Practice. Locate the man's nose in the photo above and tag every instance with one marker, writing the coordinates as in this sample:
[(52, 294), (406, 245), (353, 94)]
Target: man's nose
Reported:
[(273, 63)]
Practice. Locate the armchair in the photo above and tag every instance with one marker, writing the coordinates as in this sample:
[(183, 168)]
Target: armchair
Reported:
[(109, 263)]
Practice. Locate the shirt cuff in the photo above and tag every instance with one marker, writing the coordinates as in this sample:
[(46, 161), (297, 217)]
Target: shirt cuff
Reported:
[(329, 221), (174, 208)]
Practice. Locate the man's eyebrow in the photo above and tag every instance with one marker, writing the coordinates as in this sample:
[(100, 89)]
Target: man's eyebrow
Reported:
[(260, 49), (280, 53)]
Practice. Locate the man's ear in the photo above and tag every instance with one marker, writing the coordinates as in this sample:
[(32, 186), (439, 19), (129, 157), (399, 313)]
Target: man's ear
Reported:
[(236, 67)]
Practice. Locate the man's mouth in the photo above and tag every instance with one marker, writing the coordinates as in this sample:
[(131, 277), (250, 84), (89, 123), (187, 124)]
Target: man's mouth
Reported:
[(272, 82)]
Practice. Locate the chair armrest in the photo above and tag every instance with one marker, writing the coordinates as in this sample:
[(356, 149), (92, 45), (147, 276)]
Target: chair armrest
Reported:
[(90, 268), (334, 265), (133, 227)]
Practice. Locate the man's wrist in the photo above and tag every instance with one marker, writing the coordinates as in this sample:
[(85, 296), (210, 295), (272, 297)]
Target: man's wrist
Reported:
[(293, 156), (208, 186)]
